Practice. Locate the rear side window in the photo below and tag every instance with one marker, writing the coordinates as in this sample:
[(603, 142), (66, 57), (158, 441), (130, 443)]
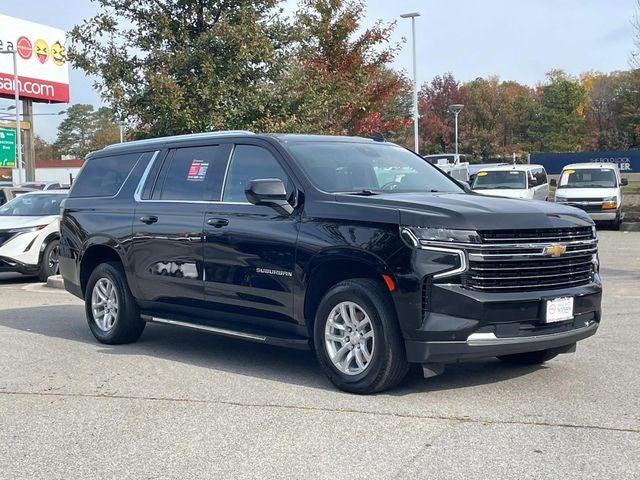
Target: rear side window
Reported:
[(103, 176), (192, 174)]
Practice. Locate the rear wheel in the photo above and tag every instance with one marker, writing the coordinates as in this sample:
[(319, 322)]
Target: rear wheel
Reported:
[(529, 358), (49, 262), (111, 310), (357, 338)]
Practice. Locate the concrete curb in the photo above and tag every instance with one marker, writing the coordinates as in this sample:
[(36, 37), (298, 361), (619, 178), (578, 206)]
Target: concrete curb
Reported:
[(630, 227), (55, 281)]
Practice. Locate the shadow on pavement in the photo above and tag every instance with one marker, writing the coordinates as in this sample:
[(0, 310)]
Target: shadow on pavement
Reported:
[(240, 357)]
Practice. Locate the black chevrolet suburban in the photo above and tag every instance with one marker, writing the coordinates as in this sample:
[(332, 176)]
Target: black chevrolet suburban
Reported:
[(354, 247)]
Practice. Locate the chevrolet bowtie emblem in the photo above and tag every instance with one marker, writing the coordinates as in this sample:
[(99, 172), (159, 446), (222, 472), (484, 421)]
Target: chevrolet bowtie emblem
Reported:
[(555, 250)]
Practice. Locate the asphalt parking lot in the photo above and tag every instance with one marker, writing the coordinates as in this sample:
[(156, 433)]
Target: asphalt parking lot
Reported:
[(180, 404)]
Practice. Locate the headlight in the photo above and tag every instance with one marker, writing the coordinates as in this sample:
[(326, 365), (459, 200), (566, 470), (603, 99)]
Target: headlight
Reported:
[(422, 235), (28, 229), (610, 203)]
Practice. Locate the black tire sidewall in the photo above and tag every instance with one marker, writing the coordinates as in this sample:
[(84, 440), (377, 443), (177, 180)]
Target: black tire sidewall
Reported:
[(376, 309), (45, 272), (115, 275)]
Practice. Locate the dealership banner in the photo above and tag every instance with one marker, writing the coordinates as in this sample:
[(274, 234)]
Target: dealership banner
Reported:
[(43, 72), (628, 162)]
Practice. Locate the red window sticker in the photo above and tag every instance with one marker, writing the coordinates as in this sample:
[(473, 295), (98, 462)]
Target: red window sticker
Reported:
[(197, 171)]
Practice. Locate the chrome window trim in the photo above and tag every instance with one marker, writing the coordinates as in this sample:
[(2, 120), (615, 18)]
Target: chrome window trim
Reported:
[(138, 192)]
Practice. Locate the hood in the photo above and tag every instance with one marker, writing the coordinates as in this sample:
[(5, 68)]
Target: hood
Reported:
[(586, 192), (8, 222), (507, 192), (473, 212)]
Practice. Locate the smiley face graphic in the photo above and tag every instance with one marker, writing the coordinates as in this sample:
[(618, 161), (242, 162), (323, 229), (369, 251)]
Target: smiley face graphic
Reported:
[(42, 50), (58, 54)]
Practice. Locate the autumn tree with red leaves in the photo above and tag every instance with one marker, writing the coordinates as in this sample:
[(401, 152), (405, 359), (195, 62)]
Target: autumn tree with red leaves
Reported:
[(340, 81)]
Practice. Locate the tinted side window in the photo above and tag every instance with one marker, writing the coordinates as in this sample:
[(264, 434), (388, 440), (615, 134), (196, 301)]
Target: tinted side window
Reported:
[(193, 173), (250, 162), (103, 176), (541, 177)]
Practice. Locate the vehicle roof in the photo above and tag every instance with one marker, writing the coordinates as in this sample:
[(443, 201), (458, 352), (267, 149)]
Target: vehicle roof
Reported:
[(47, 192), (591, 165), (517, 167), (284, 138)]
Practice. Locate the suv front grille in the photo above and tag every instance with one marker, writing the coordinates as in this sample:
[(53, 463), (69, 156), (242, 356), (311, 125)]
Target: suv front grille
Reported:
[(515, 260), (5, 236)]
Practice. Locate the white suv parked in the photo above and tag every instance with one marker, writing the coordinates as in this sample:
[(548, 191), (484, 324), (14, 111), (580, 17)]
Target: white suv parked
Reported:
[(29, 233), (596, 188), (513, 181)]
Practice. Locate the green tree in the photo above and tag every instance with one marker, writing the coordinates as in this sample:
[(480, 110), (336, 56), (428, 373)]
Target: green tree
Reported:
[(560, 118), (106, 129), (75, 132), (172, 67)]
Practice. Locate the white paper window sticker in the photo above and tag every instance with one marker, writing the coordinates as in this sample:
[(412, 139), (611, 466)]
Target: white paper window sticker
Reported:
[(197, 171)]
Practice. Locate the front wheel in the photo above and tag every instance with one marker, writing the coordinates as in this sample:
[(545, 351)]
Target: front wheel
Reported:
[(357, 338), (49, 261)]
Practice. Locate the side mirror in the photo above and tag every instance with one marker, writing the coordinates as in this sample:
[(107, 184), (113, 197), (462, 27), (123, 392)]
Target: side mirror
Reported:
[(269, 192), (553, 182), (624, 182)]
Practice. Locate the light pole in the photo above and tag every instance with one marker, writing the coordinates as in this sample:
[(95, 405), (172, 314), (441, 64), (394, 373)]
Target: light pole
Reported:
[(16, 89), (412, 16), (121, 132), (456, 109)]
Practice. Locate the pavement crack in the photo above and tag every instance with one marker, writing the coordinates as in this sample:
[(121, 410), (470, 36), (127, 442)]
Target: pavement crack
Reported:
[(449, 418)]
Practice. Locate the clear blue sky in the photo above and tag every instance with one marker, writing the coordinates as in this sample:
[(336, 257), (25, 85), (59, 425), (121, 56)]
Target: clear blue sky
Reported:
[(516, 40)]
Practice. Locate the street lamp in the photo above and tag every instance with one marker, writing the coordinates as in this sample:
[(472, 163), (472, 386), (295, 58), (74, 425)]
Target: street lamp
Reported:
[(413, 16), (16, 88), (456, 109)]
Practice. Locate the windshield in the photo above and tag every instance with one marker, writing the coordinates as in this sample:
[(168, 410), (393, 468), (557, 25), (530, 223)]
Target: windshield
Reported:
[(368, 168), (588, 178), (500, 179), (33, 205)]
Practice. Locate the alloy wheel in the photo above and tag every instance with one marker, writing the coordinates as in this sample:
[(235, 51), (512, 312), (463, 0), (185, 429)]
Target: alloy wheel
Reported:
[(349, 338)]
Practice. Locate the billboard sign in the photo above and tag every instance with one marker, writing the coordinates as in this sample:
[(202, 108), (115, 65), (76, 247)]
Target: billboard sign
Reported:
[(628, 162), (43, 72), (7, 147)]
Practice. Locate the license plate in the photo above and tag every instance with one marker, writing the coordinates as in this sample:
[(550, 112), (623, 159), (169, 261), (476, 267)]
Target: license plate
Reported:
[(559, 309)]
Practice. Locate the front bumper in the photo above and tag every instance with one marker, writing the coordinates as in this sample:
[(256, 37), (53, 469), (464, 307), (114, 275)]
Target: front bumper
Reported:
[(8, 264), (604, 216), (481, 345), (464, 324)]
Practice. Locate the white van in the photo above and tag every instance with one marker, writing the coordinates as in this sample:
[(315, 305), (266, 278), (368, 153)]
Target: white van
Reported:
[(596, 188), (513, 181)]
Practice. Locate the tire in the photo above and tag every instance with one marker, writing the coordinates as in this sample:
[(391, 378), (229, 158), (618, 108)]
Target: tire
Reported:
[(386, 366), (49, 261), (615, 224), (529, 358), (123, 324)]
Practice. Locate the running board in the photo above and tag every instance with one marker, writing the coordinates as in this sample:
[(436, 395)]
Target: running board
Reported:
[(254, 337)]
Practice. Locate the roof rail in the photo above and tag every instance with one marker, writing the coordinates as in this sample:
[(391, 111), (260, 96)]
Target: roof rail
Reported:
[(188, 136)]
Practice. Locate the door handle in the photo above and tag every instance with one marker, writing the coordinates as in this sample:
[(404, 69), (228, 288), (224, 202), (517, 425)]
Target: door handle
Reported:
[(218, 222), (149, 219)]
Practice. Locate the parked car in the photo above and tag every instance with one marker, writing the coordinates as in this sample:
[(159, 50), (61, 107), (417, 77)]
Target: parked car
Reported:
[(302, 241), (453, 165), (595, 188), (513, 181), (29, 234), (42, 185), (9, 193)]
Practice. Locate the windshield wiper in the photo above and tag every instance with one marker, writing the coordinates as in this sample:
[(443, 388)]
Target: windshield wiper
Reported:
[(364, 192)]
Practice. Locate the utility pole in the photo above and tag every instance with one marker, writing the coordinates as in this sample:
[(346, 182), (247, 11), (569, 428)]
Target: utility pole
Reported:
[(29, 142), (16, 91), (416, 140)]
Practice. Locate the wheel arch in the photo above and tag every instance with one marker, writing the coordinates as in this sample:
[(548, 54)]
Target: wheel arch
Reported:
[(332, 266), (98, 250)]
